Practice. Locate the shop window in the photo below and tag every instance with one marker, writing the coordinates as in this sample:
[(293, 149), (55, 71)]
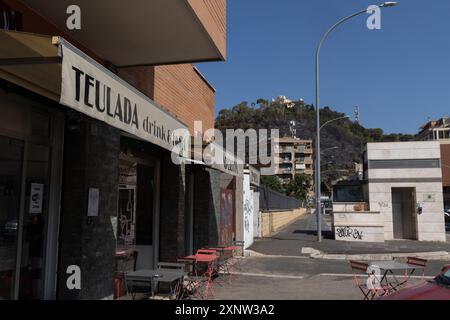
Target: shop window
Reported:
[(11, 159)]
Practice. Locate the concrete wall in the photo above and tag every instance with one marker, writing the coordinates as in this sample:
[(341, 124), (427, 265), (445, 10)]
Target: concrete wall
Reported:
[(272, 222), (350, 206), (426, 181), (358, 226)]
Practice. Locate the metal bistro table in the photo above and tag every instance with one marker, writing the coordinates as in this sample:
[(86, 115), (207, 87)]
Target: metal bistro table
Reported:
[(173, 277), (209, 261), (389, 279)]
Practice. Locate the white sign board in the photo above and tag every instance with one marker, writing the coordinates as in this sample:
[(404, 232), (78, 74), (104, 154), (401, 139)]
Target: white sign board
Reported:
[(93, 202), (93, 90), (36, 198)]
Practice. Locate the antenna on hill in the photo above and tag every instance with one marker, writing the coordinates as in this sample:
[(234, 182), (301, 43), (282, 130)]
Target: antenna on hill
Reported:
[(357, 118)]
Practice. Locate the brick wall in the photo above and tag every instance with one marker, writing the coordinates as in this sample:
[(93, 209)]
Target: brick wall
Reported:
[(178, 89), (90, 160), (445, 159), (212, 14), (183, 92)]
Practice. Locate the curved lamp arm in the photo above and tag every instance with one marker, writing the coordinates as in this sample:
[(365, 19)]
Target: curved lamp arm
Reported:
[(331, 121)]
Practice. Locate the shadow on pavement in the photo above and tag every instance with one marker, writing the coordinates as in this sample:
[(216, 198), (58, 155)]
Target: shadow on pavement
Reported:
[(325, 234)]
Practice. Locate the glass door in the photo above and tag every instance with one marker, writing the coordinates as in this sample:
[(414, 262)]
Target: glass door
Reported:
[(34, 221), (31, 137)]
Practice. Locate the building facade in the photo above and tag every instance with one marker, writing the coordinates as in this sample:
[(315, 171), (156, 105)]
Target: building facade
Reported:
[(435, 130), (405, 186), (89, 122), (401, 197), (294, 157), (440, 131)]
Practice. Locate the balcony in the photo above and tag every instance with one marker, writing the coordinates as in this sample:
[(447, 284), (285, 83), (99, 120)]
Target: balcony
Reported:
[(308, 151), (285, 149), (284, 171)]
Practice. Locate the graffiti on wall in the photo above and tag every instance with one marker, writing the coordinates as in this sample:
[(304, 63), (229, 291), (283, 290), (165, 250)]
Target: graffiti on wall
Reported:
[(248, 213), (384, 204), (349, 232)]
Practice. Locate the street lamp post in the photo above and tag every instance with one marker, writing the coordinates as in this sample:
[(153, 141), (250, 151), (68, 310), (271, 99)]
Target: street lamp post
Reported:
[(318, 178)]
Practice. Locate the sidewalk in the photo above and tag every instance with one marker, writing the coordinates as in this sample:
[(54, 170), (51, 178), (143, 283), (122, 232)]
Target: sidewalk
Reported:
[(302, 234)]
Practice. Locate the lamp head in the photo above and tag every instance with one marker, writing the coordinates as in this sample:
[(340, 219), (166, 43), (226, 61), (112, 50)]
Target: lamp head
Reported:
[(389, 4)]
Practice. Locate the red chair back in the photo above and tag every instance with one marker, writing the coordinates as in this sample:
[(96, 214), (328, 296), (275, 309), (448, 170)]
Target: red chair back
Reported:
[(361, 267), (206, 251), (417, 261)]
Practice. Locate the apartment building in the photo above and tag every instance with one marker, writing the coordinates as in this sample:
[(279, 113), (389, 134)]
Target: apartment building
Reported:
[(435, 130), (89, 121), (294, 156)]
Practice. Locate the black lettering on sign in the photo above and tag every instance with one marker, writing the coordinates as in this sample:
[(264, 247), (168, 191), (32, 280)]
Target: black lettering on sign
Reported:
[(101, 95), (78, 74), (89, 82)]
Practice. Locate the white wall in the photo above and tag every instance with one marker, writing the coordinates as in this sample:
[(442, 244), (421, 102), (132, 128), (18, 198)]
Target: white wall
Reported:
[(248, 206)]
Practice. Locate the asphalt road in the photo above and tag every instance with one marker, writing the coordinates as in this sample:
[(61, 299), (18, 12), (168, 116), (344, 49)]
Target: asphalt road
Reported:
[(297, 279), (285, 274)]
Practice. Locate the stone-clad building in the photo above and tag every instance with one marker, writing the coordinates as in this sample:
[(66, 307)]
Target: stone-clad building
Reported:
[(89, 120), (401, 196)]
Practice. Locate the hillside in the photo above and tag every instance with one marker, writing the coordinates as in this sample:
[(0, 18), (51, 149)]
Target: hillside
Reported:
[(347, 135)]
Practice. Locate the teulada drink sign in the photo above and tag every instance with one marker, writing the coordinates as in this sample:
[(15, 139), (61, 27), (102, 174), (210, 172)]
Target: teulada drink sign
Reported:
[(95, 91)]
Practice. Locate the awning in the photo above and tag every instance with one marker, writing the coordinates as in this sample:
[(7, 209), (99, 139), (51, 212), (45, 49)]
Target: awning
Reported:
[(31, 61), (56, 69), (144, 32)]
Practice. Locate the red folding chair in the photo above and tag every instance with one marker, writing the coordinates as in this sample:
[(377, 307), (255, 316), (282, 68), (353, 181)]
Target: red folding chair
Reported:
[(360, 270), (420, 263)]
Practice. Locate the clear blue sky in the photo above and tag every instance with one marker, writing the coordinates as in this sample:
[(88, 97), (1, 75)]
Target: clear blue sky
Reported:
[(399, 76)]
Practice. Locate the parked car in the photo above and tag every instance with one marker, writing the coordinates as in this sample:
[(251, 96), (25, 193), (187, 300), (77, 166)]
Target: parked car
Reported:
[(437, 289), (8, 229), (327, 205), (447, 216)]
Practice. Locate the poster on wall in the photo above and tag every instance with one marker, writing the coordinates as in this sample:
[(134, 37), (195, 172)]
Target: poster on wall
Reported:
[(36, 198), (226, 216), (93, 202)]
